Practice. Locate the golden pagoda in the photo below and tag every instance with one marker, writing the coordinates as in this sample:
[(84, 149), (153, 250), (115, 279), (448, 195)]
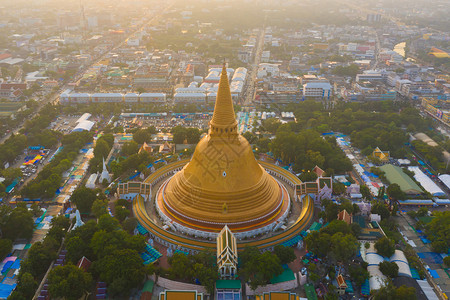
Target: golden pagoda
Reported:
[(223, 184)]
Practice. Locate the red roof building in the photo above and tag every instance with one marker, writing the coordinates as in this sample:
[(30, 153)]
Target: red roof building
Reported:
[(84, 263), (345, 216)]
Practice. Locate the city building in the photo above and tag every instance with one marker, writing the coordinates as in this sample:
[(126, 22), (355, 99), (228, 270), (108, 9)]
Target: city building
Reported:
[(317, 90)]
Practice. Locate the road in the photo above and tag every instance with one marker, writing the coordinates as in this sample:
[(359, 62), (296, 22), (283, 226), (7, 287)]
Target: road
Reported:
[(249, 92)]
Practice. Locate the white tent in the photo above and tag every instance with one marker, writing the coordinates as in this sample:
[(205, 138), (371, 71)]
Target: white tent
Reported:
[(426, 182), (445, 178), (400, 259)]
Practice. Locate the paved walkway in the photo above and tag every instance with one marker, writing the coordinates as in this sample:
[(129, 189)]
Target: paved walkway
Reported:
[(405, 225)]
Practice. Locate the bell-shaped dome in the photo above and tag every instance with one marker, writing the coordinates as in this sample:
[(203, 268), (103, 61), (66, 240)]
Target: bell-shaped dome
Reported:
[(223, 184)]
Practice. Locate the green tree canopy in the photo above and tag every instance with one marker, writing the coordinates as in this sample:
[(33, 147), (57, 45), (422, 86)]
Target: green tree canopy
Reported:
[(101, 149), (69, 282), (390, 269), (99, 207), (258, 268), (141, 136), (438, 231), (395, 192), (83, 198), (5, 248), (391, 292), (130, 148), (26, 287), (285, 254), (381, 209), (385, 247), (18, 224), (122, 270)]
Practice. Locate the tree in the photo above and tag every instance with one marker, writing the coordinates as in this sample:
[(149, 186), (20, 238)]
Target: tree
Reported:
[(69, 282), (338, 188), (179, 134), (77, 248), (141, 136), (130, 148), (129, 225), (103, 243), (285, 254), (250, 137), (385, 247), (83, 198), (192, 135), (99, 208), (271, 125), (18, 224), (343, 247), (318, 243), (308, 176), (180, 266), (108, 223), (365, 192), (26, 287), (60, 225), (438, 231), (390, 269), (108, 138), (336, 226), (422, 212), (122, 270), (39, 257), (331, 211), (391, 292), (405, 293), (395, 192), (121, 212), (347, 205), (101, 149), (356, 229), (259, 268), (5, 247), (350, 70), (358, 274), (381, 209), (447, 261)]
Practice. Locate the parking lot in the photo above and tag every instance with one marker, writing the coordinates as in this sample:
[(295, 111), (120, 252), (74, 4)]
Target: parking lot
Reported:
[(163, 123)]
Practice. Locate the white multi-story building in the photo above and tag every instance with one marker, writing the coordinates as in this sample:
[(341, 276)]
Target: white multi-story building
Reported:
[(318, 90), (107, 97), (190, 90), (265, 56), (266, 69), (152, 98), (131, 98), (369, 77), (79, 98), (240, 74), (392, 79), (189, 98)]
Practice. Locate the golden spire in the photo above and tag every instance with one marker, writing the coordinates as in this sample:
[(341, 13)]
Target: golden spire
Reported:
[(223, 117)]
